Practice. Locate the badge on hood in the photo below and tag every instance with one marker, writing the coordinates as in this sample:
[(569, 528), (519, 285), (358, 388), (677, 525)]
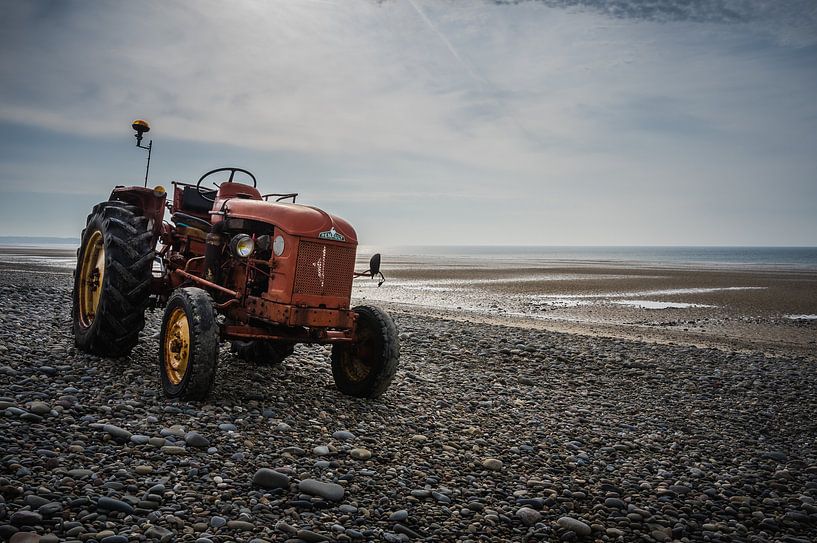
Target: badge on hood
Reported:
[(332, 234)]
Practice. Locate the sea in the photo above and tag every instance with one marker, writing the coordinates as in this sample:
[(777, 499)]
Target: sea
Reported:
[(61, 253), (804, 258)]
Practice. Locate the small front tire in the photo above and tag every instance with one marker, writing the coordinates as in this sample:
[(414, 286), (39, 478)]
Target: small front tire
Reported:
[(365, 368), (188, 345)]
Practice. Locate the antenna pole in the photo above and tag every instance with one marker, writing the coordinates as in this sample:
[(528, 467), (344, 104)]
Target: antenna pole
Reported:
[(147, 168)]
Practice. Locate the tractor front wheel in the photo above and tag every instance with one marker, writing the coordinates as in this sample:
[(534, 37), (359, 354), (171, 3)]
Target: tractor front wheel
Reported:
[(112, 279), (188, 345), (366, 367)]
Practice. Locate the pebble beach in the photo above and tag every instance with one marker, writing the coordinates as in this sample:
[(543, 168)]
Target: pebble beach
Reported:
[(488, 433)]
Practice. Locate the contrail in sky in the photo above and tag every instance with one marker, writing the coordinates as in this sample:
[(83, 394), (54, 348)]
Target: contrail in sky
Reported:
[(450, 47), (483, 83)]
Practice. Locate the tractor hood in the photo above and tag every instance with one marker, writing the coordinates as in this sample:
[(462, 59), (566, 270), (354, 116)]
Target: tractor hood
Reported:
[(294, 219)]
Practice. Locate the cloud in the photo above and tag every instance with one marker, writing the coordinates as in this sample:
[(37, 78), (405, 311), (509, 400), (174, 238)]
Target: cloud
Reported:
[(603, 106)]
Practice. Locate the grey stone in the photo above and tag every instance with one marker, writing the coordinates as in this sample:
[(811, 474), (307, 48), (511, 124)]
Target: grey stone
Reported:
[(777, 456), (24, 537), (399, 515), (39, 408), (194, 439), (405, 530), (268, 478), (25, 518), (574, 525), (159, 533), (311, 537), (440, 497), (50, 509), (343, 435), (615, 503), (360, 454), (120, 434), (328, 491), (112, 504), (528, 516), (241, 525)]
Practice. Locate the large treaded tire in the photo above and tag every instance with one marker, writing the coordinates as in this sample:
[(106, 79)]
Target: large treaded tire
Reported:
[(120, 315), (200, 375), (262, 353), (366, 369)]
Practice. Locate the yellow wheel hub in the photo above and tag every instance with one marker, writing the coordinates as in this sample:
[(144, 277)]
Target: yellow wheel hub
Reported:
[(177, 346), (91, 275)]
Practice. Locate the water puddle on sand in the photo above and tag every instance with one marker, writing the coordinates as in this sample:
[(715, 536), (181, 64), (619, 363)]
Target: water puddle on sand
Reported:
[(664, 292), (801, 317), (561, 302), (651, 304)]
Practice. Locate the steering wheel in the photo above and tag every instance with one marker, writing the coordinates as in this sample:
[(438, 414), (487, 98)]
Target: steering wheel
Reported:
[(204, 193)]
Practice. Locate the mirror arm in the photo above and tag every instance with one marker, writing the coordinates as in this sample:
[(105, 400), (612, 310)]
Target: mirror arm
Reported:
[(368, 273)]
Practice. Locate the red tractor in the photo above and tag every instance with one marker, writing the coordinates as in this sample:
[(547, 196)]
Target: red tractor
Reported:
[(230, 264)]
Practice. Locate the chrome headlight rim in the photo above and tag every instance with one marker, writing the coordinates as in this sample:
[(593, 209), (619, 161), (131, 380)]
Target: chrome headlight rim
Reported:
[(278, 245), (242, 245)]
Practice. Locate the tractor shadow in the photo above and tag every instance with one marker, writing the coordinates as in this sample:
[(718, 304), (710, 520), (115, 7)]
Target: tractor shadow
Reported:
[(303, 378)]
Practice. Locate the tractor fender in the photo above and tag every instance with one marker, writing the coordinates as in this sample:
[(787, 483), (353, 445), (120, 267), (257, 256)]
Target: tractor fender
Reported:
[(150, 201)]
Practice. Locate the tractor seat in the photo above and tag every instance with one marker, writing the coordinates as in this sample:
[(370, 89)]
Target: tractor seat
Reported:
[(183, 219), (194, 202)]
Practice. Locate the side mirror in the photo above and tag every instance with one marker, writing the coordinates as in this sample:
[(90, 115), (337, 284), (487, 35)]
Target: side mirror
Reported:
[(374, 264)]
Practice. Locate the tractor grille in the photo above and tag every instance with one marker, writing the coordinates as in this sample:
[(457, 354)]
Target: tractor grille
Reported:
[(324, 269)]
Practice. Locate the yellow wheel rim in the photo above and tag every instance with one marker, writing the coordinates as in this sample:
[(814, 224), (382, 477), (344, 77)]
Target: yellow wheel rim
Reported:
[(90, 278), (177, 346)]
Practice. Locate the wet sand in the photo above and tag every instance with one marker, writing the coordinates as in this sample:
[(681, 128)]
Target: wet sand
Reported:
[(764, 309)]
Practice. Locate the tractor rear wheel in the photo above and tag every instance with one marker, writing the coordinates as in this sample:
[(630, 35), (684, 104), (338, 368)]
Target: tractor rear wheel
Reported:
[(188, 345), (112, 279), (366, 367), (263, 353)]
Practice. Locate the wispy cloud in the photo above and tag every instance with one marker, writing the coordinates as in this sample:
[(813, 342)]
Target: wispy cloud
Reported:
[(604, 106)]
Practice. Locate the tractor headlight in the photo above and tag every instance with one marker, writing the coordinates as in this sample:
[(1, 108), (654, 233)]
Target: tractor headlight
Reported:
[(242, 245), (278, 245)]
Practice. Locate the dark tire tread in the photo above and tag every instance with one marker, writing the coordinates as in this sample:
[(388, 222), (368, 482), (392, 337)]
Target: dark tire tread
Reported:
[(129, 256), (381, 376), (204, 336)]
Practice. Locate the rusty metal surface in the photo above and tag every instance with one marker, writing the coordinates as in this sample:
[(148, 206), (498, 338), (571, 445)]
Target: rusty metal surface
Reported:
[(206, 283), (324, 269), (151, 203), (291, 315), (295, 335)]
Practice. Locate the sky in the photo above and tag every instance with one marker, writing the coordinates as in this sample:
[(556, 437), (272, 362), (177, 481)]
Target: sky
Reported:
[(552, 122)]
